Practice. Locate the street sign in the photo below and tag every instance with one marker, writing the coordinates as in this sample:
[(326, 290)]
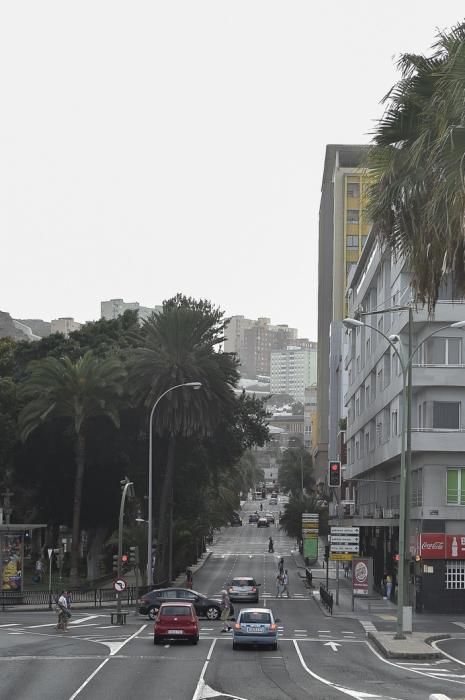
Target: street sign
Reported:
[(344, 543), (120, 585), (362, 576), (310, 525), (50, 552)]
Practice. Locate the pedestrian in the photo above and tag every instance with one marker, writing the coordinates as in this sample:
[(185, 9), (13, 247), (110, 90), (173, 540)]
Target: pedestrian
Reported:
[(225, 610), (281, 566), (68, 600), (286, 584), (189, 578), (63, 612), (279, 585), (39, 570), (388, 586)]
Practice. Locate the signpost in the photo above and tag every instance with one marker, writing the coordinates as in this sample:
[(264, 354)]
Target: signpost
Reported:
[(120, 585), (362, 577), (345, 542), (310, 525)]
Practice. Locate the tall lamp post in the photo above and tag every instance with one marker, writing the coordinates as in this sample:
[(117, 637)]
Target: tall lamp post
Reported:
[(193, 385), (405, 363)]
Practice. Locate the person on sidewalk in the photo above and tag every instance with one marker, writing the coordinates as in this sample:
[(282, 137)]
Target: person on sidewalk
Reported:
[(189, 578), (286, 584), (225, 610), (388, 586)]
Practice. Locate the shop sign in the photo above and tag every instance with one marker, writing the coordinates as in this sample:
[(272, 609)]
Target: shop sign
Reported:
[(433, 545), (455, 547)]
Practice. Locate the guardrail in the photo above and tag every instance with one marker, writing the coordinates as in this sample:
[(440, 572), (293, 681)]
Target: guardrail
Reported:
[(326, 598), (95, 597)]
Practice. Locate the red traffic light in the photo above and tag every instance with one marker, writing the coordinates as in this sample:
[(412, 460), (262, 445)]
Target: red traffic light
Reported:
[(124, 558), (334, 473)]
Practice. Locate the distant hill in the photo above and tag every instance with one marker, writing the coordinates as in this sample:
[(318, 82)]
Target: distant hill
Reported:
[(37, 326)]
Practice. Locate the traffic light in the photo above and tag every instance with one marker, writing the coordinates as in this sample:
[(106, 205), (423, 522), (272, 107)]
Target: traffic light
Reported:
[(124, 558), (115, 562), (326, 552), (334, 474), (134, 555)]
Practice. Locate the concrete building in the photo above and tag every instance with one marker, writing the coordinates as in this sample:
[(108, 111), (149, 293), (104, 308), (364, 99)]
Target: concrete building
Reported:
[(343, 229), (310, 417), (260, 340), (373, 401), (64, 325), (234, 334), (293, 370), (116, 307)]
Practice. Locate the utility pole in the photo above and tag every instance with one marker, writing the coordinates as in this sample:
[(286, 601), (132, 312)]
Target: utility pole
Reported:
[(127, 486)]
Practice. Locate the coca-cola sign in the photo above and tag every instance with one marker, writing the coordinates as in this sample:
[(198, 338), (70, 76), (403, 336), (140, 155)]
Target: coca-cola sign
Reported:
[(432, 545), (455, 547)]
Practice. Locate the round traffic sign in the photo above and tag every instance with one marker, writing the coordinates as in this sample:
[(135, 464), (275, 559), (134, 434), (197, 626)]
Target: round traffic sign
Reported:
[(120, 585)]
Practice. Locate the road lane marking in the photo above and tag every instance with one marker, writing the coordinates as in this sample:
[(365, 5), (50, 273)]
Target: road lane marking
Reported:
[(11, 624), (100, 666), (33, 627), (359, 695), (84, 619)]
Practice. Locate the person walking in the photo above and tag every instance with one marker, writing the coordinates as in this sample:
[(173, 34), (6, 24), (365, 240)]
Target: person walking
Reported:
[(189, 578), (63, 612), (286, 584), (39, 570), (279, 585), (225, 610), (388, 586), (281, 566)]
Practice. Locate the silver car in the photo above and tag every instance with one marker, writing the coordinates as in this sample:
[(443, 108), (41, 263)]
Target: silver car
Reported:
[(243, 588), (255, 626)]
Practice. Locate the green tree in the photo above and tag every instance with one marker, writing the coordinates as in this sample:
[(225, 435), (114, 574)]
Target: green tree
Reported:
[(296, 465), (78, 392), (416, 195), (180, 345)]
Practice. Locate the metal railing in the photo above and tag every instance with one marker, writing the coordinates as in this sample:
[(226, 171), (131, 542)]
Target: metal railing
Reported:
[(326, 598), (94, 597)]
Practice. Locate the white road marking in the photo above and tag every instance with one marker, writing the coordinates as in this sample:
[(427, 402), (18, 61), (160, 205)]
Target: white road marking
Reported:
[(33, 627), (415, 670), (11, 624), (84, 619), (99, 668)]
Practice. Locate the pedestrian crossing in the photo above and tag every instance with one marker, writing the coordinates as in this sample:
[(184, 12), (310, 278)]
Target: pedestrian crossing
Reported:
[(368, 626), (442, 669)]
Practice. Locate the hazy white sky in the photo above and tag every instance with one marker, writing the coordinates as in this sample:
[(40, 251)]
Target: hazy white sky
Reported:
[(148, 148)]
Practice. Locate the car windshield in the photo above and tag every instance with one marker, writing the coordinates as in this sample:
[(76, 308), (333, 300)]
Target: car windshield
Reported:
[(256, 617), (242, 582), (177, 610)]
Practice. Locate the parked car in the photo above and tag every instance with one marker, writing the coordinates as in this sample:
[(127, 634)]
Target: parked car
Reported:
[(243, 588), (262, 522), (270, 517), (176, 621), (255, 626), (149, 604), (253, 518)]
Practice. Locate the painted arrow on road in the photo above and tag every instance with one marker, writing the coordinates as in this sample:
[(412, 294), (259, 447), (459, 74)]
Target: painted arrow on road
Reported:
[(333, 645)]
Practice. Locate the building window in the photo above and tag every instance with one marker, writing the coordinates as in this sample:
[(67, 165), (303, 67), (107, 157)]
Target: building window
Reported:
[(352, 242), (446, 415), (357, 449), (380, 380), (455, 574), (358, 364), (443, 351), (394, 423), (368, 347), (352, 216), (416, 491), (353, 189), (456, 487), (367, 395), (357, 406)]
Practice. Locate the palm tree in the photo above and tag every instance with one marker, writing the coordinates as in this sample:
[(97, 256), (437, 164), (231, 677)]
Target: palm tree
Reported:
[(417, 193), (180, 346), (296, 467), (77, 391)]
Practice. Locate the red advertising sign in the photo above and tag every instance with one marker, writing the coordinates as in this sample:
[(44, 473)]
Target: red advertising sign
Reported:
[(361, 576), (455, 547), (432, 545)]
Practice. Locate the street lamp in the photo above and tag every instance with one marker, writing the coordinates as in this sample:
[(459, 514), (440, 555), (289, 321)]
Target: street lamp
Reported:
[(195, 386), (405, 364)]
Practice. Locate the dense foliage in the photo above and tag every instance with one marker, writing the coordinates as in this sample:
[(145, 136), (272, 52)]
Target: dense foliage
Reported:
[(81, 406)]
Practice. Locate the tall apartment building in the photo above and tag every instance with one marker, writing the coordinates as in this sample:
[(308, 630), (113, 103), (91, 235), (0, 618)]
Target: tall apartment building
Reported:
[(259, 342), (343, 229), (293, 370), (64, 325), (254, 341), (116, 307), (436, 512)]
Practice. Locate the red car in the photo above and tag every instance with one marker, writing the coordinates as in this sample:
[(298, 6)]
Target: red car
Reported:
[(176, 621)]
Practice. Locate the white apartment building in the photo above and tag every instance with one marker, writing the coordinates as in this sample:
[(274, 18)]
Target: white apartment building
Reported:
[(64, 325), (113, 308), (293, 370), (378, 286)]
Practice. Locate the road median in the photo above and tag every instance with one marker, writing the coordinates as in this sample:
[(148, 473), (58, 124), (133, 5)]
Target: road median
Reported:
[(415, 646)]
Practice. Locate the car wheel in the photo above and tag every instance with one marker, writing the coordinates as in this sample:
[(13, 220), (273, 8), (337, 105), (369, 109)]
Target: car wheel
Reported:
[(235, 646), (274, 647), (212, 613), (194, 640), (152, 613), (156, 639)]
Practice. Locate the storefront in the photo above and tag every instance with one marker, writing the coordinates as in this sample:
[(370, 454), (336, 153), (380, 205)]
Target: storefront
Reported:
[(440, 573)]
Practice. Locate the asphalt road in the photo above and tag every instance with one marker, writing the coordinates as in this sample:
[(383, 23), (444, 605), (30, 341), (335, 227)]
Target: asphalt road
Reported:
[(318, 657)]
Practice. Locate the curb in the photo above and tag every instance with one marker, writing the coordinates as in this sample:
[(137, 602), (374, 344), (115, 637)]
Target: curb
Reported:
[(194, 568), (389, 654)]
